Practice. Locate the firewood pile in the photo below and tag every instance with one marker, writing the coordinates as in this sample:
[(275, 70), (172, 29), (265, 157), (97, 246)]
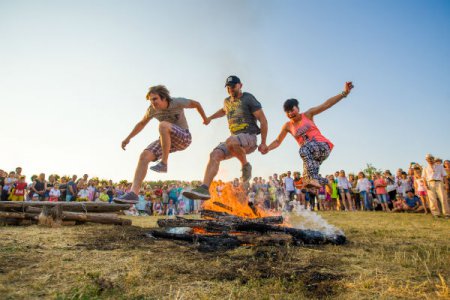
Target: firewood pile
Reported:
[(55, 214), (223, 231)]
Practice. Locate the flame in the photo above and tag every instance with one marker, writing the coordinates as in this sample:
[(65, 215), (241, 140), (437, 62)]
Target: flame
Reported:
[(233, 200)]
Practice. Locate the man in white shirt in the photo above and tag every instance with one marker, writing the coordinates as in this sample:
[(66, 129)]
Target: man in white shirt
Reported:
[(434, 175)]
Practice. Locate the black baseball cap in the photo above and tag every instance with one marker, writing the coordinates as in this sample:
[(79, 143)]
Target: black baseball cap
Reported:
[(232, 80)]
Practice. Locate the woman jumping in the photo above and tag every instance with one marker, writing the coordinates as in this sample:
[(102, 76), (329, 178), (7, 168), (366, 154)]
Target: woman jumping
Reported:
[(314, 147)]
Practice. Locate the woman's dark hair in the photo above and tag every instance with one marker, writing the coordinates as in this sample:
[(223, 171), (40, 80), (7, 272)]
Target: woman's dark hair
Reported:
[(289, 104)]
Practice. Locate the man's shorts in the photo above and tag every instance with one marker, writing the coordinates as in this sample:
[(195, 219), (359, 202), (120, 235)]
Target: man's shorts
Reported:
[(246, 140), (180, 139)]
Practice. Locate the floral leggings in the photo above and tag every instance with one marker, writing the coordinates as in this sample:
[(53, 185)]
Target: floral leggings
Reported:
[(313, 153)]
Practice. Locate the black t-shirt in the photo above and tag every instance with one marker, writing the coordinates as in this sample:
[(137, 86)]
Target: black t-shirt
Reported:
[(240, 114), (2, 181), (39, 186)]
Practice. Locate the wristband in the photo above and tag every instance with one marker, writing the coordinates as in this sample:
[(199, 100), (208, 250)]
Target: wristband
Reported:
[(344, 94)]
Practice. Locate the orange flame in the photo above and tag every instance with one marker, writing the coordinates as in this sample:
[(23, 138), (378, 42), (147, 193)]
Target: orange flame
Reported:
[(233, 200)]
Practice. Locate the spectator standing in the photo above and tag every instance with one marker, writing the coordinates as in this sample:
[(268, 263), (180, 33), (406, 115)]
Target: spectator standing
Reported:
[(434, 175)]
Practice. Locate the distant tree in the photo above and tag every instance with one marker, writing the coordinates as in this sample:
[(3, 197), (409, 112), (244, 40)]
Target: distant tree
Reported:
[(370, 170)]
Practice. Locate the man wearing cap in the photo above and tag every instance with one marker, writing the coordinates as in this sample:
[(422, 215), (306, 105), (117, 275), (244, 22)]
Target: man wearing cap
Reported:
[(434, 175), (242, 111)]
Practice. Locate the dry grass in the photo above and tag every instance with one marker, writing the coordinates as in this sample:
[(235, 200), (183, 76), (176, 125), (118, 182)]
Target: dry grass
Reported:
[(388, 256)]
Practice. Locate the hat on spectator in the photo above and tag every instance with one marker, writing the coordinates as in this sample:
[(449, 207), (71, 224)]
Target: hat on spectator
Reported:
[(429, 156)]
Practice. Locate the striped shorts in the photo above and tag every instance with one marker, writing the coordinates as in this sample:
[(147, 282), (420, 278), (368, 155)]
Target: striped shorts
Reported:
[(180, 139)]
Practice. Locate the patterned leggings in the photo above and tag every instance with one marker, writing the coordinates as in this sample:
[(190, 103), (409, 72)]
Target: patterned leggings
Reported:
[(313, 154)]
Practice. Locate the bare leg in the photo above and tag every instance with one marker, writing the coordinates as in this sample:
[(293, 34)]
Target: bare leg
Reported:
[(164, 137), (344, 201), (141, 170), (236, 150), (213, 166), (350, 201)]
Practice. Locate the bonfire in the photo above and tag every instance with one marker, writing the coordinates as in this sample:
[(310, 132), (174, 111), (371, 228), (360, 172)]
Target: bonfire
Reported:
[(229, 221)]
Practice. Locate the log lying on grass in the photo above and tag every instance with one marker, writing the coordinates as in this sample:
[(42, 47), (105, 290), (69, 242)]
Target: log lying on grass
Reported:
[(66, 206), (71, 216), (54, 216)]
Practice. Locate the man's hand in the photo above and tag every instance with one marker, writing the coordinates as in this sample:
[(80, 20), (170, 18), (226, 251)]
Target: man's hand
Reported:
[(207, 121), (263, 148), (125, 143), (348, 87)]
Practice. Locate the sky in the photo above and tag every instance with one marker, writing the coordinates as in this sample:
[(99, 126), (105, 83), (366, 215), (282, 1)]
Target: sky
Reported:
[(74, 75)]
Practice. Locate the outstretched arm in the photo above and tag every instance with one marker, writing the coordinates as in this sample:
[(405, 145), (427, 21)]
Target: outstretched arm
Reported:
[(330, 102), (198, 106), (218, 114), (277, 142), (139, 126)]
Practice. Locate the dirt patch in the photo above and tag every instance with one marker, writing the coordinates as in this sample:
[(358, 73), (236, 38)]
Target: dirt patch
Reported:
[(113, 238)]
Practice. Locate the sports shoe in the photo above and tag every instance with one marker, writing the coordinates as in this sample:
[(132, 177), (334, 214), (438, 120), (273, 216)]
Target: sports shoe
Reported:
[(159, 167), (127, 198), (246, 172), (199, 193)]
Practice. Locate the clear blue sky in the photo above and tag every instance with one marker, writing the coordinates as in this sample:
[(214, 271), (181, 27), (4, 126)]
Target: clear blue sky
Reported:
[(74, 74)]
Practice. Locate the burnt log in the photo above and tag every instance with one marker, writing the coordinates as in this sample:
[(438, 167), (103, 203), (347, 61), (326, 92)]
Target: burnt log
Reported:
[(208, 225), (225, 217)]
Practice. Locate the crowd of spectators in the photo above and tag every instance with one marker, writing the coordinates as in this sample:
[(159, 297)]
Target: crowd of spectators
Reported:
[(423, 189)]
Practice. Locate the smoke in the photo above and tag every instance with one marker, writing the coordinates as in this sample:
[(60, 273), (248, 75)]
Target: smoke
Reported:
[(302, 218)]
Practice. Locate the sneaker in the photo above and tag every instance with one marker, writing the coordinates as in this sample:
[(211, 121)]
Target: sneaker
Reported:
[(159, 167), (199, 193), (246, 172), (127, 198)]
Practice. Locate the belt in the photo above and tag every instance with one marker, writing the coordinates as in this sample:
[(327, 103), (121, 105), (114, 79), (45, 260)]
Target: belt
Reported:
[(435, 180)]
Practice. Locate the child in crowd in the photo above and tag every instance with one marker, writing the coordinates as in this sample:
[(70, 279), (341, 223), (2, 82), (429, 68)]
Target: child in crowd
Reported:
[(380, 189), (363, 187), (412, 203), (321, 198), (181, 207), (158, 207), (54, 193), (171, 209), (421, 188), (333, 189), (344, 187), (20, 190), (103, 196), (83, 194)]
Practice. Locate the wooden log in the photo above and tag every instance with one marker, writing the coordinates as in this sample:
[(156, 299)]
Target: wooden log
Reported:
[(208, 225), (17, 215), (225, 217), (37, 210), (66, 206), (93, 218)]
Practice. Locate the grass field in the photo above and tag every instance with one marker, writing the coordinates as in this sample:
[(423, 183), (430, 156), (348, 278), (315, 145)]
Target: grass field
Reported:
[(387, 256)]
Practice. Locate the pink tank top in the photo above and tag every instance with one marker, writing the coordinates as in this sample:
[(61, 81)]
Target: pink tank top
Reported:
[(306, 131)]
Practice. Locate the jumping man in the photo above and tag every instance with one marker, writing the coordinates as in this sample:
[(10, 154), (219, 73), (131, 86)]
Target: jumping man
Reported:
[(242, 111), (314, 147), (173, 130)]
